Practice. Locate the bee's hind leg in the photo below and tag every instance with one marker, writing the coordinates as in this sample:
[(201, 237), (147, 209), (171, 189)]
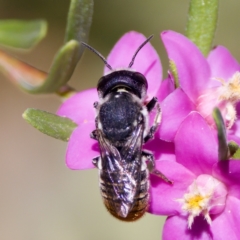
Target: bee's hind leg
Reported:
[(148, 157)]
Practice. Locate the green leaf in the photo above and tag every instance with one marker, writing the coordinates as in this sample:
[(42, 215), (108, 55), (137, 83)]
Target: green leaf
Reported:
[(222, 140), (202, 23), (79, 22), (35, 81), (62, 69), (50, 124), (19, 72), (22, 34)]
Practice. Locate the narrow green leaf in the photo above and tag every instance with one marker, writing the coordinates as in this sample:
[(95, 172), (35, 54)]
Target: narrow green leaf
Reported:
[(62, 68), (50, 124), (34, 80), (222, 140), (22, 34), (173, 70), (202, 23), (20, 73), (65, 61), (79, 21)]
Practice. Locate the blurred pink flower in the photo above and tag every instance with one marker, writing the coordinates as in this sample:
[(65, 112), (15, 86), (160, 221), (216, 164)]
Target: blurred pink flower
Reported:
[(81, 148), (204, 200), (205, 83)]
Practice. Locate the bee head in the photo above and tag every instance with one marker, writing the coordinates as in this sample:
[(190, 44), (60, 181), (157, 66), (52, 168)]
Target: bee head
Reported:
[(126, 79), (130, 81)]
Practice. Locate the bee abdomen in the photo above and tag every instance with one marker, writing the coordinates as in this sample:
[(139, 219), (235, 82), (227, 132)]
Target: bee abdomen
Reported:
[(122, 199)]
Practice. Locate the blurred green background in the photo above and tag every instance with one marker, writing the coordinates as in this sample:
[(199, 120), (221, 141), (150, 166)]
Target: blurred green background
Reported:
[(40, 199)]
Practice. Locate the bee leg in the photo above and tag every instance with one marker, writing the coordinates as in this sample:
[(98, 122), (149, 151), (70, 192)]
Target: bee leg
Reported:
[(94, 135), (95, 104), (95, 161), (151, 104), (161, 175), (156, 122), (151, 166)]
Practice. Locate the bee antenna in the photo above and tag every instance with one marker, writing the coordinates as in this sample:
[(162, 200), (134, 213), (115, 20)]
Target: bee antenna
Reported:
[(99, 54), (139, 48)]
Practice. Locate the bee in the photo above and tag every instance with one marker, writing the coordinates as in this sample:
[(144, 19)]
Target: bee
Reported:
[(121, 130)]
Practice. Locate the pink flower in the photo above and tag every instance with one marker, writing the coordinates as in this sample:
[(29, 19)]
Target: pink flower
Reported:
[(204, 200), (205, 83), (81, 148)]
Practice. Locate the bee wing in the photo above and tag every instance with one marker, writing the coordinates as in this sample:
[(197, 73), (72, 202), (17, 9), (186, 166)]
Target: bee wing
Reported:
[(110, 156), (112, 177), (131, 152), (120, 172)]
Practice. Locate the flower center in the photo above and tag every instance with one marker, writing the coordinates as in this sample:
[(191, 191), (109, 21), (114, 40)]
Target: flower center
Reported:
[(224, 97), (195, 202), (205, 196), (231, 89)]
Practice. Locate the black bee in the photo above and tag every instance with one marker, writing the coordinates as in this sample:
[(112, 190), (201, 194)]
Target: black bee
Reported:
[(121, 130)]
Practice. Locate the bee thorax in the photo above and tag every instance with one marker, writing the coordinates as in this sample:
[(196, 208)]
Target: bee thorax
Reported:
[(118, 116)]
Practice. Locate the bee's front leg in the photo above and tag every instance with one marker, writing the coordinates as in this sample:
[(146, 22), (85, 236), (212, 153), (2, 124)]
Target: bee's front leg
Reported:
[(94, 135), (151, 166), (157, 118), (95, 104), (151, 104)]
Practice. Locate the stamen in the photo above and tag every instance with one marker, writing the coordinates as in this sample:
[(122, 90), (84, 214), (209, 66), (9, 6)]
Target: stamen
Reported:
[(231, 89), (205, 196), (224, 97)]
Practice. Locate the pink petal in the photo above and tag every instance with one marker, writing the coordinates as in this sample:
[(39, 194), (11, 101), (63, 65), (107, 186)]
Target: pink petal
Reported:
[(176, 228), (238, 108), (192, 67), (226, 225), (223, 65), (147, 61), (175, 109), (161, 150), (81, 148), (165, 89), (195, 145), (163, 196), (235, 129), (229, 173), (234, 137), (79, 107)]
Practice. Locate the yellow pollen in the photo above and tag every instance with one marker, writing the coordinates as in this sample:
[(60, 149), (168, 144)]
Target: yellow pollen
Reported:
[(194, 202), (230, 90), (203, 195)]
